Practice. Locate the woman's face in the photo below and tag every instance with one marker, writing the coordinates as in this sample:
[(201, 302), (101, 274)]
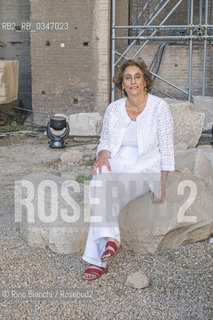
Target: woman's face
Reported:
[(133, 81)]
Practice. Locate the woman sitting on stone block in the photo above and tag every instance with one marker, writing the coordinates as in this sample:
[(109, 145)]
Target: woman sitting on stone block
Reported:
[(134, 156)]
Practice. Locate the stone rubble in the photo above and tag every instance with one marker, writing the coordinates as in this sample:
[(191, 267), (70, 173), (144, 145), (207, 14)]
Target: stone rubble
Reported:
[(73, 156), (85, 124), (181, 279), (205, 104), (188, 123), (9, 75), (137, 280)]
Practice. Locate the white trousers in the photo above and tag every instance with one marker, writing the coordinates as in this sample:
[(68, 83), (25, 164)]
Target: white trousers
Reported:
[(109, 192)]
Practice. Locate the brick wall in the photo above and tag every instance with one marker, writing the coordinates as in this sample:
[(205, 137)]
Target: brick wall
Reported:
[(64, 79), (175, 65)]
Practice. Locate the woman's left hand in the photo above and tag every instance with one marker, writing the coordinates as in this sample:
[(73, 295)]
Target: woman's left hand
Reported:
[(161, 199), (164, 175)]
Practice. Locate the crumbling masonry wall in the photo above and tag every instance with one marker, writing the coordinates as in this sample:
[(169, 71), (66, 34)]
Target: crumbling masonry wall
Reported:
[(64, 72), (70, 67), (15, 44)]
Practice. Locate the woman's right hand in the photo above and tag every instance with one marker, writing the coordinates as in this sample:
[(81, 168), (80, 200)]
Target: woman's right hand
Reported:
[(103, 157), (102, 161)]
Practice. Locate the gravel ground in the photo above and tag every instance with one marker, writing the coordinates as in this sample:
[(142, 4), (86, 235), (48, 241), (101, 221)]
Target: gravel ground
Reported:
[(40, 284)]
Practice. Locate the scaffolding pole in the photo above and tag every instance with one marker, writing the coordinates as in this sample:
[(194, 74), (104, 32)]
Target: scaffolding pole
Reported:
[(169, 83), (165, 38), (167, 27), (204, 51), (113, 51), (190, 52), (200, 11)]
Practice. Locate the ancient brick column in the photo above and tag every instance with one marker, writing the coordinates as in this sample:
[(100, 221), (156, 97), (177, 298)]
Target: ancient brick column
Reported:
[(102, 31)]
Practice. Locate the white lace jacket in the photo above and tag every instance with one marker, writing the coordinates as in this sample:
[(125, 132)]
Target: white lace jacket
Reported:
[(154, 133)]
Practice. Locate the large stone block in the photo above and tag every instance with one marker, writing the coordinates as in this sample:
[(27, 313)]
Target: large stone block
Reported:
[(85, 124), (185, 217), (208, 151), (205, 104), (196, 161), (9, 72), (54, 218), (188, 123)]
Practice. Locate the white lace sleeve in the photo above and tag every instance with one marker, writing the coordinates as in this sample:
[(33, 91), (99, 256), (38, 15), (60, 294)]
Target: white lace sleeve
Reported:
[(166, 137), (104, 143)]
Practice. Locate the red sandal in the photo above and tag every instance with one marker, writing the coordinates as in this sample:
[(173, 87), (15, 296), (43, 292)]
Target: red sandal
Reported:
[(110, 252), (95, 272)]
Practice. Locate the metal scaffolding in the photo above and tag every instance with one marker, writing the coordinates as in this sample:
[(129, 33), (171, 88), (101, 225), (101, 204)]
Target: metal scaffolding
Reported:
[(174, 22)]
